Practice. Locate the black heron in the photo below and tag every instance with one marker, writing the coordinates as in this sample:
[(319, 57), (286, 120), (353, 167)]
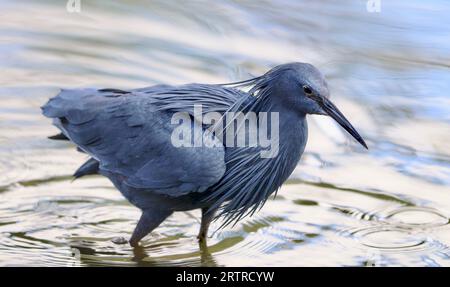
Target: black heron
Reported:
[(128, 135)]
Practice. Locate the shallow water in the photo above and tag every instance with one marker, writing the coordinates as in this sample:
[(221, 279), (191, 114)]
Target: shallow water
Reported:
[(343, 206)]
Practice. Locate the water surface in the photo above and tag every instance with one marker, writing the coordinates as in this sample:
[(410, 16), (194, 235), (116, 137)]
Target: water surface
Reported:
[(343, 206)]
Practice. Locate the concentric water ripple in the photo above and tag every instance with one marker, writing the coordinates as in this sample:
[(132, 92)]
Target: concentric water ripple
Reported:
[(402, 230), (389, 238), (417, 217)]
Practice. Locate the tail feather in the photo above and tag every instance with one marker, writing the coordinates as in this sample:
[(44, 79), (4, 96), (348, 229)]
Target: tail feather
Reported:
[(90, 167), (59, 136)]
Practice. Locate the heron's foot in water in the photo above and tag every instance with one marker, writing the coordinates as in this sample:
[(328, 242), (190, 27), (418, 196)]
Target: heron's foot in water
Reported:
[(207, 217), (201, 237), (202, 243), (119, 240)]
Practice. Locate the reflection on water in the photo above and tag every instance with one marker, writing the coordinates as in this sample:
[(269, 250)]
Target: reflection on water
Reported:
[(388, 71)]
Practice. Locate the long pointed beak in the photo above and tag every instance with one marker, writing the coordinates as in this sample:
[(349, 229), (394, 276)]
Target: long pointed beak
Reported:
[(334, 112)]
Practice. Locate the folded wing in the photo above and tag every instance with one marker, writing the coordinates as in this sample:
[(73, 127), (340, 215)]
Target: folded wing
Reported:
[(129, 135)]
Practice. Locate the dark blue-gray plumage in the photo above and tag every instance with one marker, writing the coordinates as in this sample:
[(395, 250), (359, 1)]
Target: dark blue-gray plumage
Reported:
[(128, 136)]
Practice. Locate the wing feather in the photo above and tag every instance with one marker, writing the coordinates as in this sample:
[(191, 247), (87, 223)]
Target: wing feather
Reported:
[(131, 136)]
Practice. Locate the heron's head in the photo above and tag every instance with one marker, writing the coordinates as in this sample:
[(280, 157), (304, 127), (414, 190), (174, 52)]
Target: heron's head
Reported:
[(302, 88)]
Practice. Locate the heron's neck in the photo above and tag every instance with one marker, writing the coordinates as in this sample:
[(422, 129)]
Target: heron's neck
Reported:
[(250, 178), (293, 137), (292, 130)]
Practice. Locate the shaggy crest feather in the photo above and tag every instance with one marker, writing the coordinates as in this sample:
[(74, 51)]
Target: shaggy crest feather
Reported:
[(250, 179)]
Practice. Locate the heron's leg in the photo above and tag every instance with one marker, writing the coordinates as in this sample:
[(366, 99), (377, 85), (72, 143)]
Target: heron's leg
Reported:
[(150, 219), (207, 217)]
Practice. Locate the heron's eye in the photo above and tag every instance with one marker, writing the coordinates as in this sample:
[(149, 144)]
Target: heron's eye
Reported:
[(308, 91)]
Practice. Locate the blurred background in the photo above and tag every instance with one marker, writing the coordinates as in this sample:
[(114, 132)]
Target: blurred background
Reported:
[(388, 71)]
